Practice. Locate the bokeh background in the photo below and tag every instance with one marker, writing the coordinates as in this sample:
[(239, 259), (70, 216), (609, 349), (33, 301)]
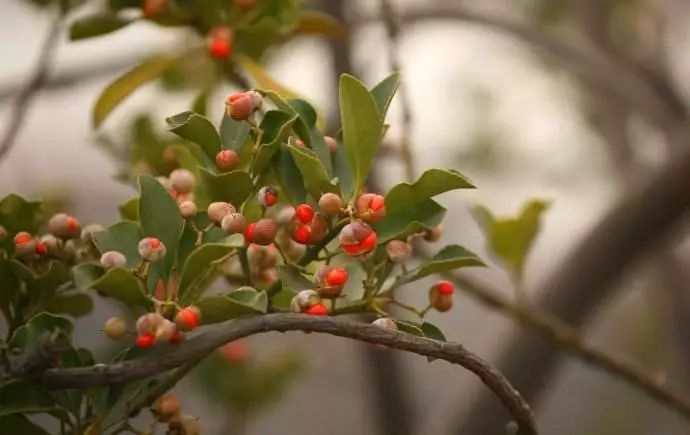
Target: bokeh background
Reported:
[(516, 120)]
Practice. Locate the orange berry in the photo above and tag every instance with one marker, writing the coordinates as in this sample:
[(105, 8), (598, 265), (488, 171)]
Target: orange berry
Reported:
[(115, 328)]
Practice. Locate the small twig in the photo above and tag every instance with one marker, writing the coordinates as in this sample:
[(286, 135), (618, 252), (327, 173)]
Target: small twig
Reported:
[(26, 95), (392, 25), (204, 344)]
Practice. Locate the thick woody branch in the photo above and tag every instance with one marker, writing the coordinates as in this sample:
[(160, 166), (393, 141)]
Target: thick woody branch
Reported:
[(205, 343)]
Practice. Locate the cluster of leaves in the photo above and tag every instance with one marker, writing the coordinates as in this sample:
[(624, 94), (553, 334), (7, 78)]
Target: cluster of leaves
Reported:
[(281, 148)]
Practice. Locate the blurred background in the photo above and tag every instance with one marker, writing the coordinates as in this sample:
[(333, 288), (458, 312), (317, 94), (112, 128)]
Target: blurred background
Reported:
[(494, 98)]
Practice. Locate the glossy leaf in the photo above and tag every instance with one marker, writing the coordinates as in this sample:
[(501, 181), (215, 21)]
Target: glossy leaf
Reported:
[(233, 134), (241, 302), (424, 216), (96, 25), (432, 182), (160, 217), (18, 214), (304, 112), (233, 187), (320, 24), (84, 274), (76, 304), (198, 129), (122, 237), (292, 279), (362, 126), (122, 285), (24, 397), (432, 331), (510, 239), (35, 327), (18, 424), (124, 85), (129, 210), (276, 127), (200, 264), (315, 177), (289, 177), (41, 285), (449, 258), (384, 92)]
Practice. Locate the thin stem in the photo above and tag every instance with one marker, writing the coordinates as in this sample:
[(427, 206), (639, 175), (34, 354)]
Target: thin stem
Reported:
[(244, 262), (407, 307)]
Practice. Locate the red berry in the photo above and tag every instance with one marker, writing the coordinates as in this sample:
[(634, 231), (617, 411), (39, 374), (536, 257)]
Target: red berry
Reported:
[(352, 249), (154, 242), (177, 337), (226, 160), (249, 232), (267, 196), (188, 318), (304, 213), (146, 340), (337, 276), (369, 242), (301, 234), (445, 287), (219, 48), (271, 199), (41, 248), (317, 310), (22, 238)]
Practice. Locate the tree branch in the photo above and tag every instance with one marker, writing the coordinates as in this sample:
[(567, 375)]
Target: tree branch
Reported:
[(205, 343), (24, 98), (567, 339)]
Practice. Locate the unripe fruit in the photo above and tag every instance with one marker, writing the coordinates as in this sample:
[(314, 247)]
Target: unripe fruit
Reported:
[(304, 213), (24, 244), (286, 215), (257, 99), (64, 226), (188, 209), (262, 232), (331, 143), (357, 238), (219, 42), (188, 318), (385, 323), (148, 323), (239, 106), (434, 234), (371, 207), (267, 196), (234, 223), (218, 210), (441, 296), (151, 249), (303, 300), (299, 143), (226, 160), (88, 232), (111, 259), (166, 408), (165, 331), (182, 180), (398, 251), (146, 340), (330, 280), (317, 310), (330, 204), (115, 328), (262, 257)]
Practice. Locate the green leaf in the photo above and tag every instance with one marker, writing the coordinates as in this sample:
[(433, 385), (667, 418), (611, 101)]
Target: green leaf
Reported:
[(233, 134), (292, 279), (318, 144), (315, 177), (18, 424), (41, 285), (200, 264), (17, 214), (510, 239), (432, 182), (129, 210), (122, 237), (96, 25), (409, 327), (362, 126), (122, 285), (289, 176), (303, 110), (160, 217), (343, 172), (233, 187), (186, 159), (384, 91), (24, 397), (197, 129), (276, 127), (432, 331), (9, 284), (241, 302), (84, 274), (29, 333), (76, 304), (424, 216), (449, 258), (124, 85)]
